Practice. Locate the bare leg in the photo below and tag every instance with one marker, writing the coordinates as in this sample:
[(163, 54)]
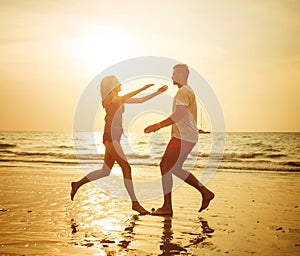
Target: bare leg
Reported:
[(166, 164), (167, 183), (190, 179), (116, 151), (98, 174), (176, 153)]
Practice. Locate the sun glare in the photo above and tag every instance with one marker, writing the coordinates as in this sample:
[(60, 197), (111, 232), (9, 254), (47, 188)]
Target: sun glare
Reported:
[(102, 47)]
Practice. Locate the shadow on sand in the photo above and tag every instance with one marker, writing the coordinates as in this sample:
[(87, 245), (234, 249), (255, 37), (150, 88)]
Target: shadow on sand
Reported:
[(168, 244)]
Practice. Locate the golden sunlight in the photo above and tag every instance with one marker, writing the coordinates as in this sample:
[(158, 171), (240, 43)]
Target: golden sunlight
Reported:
[(101, 47)]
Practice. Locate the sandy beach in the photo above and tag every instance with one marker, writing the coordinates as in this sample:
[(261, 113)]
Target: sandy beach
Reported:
[(253, 213)]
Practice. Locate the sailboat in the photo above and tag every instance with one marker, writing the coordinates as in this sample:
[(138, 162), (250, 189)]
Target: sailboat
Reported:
[(201, 131)]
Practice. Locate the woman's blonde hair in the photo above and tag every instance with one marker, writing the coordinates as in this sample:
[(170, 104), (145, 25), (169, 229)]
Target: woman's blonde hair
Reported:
[(108, 84)]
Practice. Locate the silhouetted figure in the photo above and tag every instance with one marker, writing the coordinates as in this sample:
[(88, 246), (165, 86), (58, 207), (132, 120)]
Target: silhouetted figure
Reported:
[(114, 107), (184, 137)]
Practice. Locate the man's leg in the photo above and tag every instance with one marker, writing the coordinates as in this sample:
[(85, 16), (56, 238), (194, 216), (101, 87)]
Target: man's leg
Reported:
[(167, 163), (189, 178)]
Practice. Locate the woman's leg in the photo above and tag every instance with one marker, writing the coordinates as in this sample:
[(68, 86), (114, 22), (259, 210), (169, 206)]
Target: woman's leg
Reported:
[(115, 149), (95, 175)]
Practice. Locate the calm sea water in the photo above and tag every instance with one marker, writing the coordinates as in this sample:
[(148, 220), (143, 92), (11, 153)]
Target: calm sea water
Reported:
[(243, 151)]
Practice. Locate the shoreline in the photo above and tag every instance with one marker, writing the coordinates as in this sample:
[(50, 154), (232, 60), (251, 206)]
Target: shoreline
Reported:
[(76, 169)]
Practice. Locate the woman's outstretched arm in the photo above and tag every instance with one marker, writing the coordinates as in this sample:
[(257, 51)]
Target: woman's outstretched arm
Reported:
[(128, 96), (148, 97)]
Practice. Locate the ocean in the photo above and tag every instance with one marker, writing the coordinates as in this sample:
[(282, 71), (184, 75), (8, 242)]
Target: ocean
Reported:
[(279, 152)]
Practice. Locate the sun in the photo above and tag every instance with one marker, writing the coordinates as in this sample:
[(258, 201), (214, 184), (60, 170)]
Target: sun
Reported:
[(101, 47)]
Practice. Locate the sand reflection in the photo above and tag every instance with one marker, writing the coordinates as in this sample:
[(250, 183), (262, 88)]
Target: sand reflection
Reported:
[(142, 234)]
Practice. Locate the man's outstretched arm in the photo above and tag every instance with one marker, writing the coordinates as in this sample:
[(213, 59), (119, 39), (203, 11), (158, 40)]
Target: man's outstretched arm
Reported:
[(180, 112)]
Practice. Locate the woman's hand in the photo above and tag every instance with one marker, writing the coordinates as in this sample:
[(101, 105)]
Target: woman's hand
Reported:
[(147, 86), (162, 89)]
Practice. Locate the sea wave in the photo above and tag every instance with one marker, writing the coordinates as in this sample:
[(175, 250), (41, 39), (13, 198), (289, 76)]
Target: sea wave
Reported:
[(37, 154), (138, 156), (256, 144), (40, 161), (7, 145), (290, 166), (253, 168), (276, 155), (65, 147), (234, 155), (6, 152), (292, 163), (33, 155), (197, 154), (241, 155)]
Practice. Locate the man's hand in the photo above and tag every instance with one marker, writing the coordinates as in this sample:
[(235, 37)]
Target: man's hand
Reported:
[(162, 89), (152, 128)]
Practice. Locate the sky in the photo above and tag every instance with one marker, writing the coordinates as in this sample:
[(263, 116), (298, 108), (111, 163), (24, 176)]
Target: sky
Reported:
[(248, 51)]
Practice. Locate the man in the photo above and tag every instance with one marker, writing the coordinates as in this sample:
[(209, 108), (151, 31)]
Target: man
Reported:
[(184, 137)]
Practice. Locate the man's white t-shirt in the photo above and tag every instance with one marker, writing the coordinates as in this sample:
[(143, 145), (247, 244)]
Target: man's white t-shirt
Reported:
[(186, 128)]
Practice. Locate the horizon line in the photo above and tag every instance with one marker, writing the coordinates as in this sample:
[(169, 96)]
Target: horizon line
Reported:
[(65, 131)]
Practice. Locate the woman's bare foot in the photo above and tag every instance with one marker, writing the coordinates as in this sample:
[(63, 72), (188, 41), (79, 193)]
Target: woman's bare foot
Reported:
[(206, 198), (140, 209), (75, 187), (163, 211)]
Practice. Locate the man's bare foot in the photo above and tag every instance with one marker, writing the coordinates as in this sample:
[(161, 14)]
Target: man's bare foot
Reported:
[(75, 187), (140, 209), (163, 211), (206, 198)]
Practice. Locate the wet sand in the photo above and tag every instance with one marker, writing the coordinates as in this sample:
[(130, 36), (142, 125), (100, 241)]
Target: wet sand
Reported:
[(253, 213)]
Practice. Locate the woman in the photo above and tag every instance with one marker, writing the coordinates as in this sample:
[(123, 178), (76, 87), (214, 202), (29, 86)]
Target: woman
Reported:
[(114, 107)]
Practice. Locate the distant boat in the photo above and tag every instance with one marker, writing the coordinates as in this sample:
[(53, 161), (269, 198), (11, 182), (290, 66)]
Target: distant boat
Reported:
[(201, 131)]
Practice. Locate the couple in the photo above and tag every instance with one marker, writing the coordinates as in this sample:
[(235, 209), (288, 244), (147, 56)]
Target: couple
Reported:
[(184, 137)]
